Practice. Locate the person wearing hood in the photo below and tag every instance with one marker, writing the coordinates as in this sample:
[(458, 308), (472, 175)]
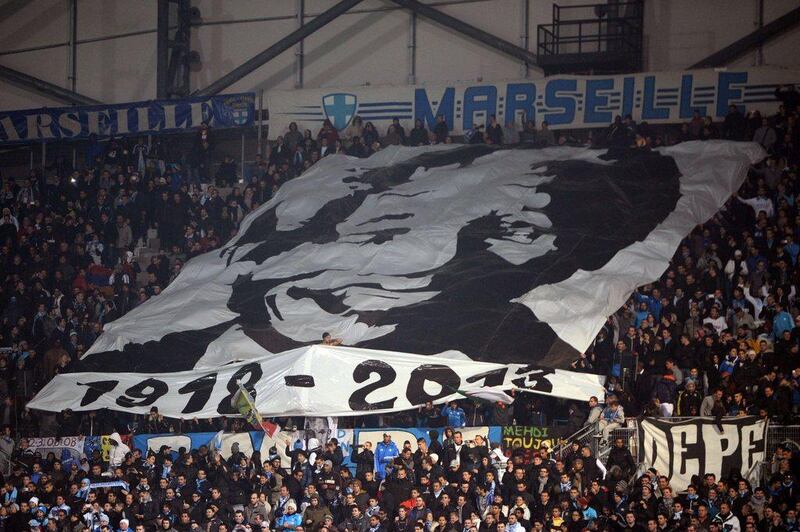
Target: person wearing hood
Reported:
[(290, 519), (689, 400), (116, 456), (314, 448)]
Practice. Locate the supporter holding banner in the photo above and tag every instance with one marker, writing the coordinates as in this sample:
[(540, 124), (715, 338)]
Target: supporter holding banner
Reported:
[(687, 450)]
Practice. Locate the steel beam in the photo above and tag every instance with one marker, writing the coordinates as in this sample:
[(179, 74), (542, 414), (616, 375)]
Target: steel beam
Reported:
[(469, 30), (276, 49), (72, 57), (41, 86), (751, 40), (162, 50)]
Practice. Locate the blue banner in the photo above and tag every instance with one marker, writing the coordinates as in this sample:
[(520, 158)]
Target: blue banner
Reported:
[(137, 118)]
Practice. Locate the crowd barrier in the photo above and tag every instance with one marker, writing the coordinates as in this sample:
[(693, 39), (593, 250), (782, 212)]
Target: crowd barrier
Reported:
[(528, 438), (72, 448)]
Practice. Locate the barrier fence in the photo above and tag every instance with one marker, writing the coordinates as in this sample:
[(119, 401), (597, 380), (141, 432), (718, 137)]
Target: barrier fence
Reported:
[(505, 438)]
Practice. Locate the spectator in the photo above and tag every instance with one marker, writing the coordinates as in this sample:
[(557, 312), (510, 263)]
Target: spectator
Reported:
[(441, 131), (494, 132), (419, 135), (510, 134), (765, 135), (385, 453), (454, 415), (612, 417), (545, 136)]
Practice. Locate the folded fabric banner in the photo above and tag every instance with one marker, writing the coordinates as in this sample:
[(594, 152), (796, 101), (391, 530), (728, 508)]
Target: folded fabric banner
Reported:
[(316, 380)]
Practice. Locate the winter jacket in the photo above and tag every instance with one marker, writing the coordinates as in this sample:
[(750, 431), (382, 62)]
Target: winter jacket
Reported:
[(385, 453)]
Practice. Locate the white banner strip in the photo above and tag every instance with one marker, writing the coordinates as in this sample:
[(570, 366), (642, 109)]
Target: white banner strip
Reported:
[(563, 101), (299, 382)]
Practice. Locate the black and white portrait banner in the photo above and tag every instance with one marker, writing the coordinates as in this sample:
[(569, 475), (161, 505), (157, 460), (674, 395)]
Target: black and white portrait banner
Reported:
[(471, 254), (685, 449), (317, 380)]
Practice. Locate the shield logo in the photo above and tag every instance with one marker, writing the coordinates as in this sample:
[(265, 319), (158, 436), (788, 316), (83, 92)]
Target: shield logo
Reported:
[(236, 111), (240, 116), (340, 108)]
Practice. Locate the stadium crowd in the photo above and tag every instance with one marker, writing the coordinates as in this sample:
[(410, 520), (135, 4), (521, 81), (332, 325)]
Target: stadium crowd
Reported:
[(718, 335)]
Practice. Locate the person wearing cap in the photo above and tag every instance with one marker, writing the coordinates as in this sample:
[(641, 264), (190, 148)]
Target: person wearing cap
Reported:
[(327, 482), (385, 453)]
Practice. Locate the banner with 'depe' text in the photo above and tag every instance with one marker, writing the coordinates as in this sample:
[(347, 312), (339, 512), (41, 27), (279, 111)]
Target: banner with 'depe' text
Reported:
[(684, 449)]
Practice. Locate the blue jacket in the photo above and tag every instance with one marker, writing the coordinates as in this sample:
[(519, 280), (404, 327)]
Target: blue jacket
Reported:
[(456, 417), (782, 322), (653, 304), (289, 521), (385, 453)]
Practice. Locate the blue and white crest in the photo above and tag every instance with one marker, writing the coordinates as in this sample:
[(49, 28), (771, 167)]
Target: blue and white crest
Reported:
[(236, 111), (340, 108), (240, 116)]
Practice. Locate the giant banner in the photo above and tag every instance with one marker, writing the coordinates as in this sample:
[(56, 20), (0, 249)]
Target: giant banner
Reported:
[(684, 449), (145, 118), (563, 101), (445, 270)]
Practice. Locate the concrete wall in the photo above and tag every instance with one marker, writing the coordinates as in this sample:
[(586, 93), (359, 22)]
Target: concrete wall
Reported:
[(367, 46)]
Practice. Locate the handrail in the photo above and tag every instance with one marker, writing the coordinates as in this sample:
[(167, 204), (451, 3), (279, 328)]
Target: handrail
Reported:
[(577, 435), (579, 6)]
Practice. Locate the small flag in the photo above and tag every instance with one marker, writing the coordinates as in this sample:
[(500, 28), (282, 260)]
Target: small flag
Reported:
[(270, 428), (244, 403), (217, 441)]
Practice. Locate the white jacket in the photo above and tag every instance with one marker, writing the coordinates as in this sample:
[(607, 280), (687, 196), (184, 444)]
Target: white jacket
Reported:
[(116, 455)]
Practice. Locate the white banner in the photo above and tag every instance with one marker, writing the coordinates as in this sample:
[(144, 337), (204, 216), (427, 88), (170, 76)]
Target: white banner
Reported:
[(683, 449), (66, 449), (298, 382), (563, 101)]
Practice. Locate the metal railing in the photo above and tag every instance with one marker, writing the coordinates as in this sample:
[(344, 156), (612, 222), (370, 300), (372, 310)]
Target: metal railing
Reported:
[(593, 28)]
